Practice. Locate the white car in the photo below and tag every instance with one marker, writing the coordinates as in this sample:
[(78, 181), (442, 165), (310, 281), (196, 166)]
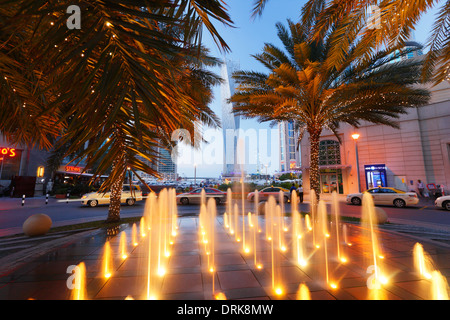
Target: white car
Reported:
[(93, 199), (443, 202), (386, 196)]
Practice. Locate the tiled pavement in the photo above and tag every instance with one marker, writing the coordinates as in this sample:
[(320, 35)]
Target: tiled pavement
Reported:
[(236, 276)]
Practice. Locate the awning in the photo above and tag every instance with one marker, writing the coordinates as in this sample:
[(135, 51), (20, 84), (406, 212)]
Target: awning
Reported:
[(334, 166), (291, 171), (79, 174)]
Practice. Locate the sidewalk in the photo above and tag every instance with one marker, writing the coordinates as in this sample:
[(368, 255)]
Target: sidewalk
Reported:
[(7, 203), (235, 275)]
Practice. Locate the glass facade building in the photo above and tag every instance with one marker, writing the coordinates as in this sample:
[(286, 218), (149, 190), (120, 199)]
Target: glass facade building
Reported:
[(166, 167), (289, 155), (230, 122)]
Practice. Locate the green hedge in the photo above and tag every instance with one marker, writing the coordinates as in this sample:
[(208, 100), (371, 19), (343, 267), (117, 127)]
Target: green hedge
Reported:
[(76, 189)]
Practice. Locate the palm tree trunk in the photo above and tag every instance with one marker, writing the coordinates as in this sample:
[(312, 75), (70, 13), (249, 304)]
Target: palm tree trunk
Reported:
[(116, 193), (114, 205), (314, 173)]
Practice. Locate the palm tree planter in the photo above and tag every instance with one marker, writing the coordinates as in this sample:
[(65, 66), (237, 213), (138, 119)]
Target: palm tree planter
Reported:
[(305, 86)]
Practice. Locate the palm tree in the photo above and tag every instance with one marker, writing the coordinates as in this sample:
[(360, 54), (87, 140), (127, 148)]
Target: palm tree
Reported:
[(397, 19), (304, 84), (133, 145), (116, 88)]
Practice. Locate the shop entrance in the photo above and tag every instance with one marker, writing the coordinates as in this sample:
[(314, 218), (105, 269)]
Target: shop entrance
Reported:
[(375, 176), (331, 180)]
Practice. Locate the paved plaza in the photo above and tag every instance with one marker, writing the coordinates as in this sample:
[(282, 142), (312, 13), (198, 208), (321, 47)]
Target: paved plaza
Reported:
[(236, 277)]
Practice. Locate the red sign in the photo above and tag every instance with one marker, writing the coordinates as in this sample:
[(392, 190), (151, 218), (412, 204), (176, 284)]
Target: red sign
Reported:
[(72, 169), (9, 152)]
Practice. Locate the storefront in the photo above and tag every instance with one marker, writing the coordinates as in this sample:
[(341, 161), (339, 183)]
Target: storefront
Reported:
[(10, 159), (22, 170), (331, 180), (73, 180), (331, 169), (375, 175), (70, 174)]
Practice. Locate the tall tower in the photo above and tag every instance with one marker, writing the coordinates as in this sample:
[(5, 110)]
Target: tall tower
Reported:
[(166, 167), (289, 155), (230, 122), (410, 44)]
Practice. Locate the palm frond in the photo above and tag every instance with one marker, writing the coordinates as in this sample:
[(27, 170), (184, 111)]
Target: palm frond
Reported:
[(439, 44), (258, 7), (132, 75)]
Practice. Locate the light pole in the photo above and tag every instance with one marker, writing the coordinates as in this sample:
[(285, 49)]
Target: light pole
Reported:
[(195, 174), (355, 137), (267, 178)]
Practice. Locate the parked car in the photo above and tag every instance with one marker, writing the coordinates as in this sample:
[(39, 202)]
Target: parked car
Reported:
[(386, 196), (194, 196), (145, 190), (443, 202), (93, 199), (263, 194)]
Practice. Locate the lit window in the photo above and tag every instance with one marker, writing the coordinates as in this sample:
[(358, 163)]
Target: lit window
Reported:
[(329, 153), (40, 172)]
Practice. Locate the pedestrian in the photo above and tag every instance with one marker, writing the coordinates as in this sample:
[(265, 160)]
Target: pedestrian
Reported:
[(49, 186), (442, 190), (300, 193), (293, 188), (420, 187), (439, 190)]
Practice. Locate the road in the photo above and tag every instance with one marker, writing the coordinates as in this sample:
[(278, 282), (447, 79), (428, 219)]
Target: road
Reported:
[(13, 214)]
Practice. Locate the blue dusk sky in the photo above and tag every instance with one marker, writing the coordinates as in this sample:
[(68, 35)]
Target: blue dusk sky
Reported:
[(248, 37)]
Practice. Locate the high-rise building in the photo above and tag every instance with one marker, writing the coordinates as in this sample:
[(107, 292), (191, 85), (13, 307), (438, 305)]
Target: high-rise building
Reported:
[(411, 45), (289, 155), (166, 167), (230, 122)]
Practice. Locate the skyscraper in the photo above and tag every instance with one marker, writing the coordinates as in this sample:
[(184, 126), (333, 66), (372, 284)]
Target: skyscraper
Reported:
[(410, 45), (166, 167), (289, 155), (230, 122)]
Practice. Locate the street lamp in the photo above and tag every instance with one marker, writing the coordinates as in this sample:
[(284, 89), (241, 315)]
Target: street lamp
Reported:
[(267, 178), (355, 137), (195, 174)]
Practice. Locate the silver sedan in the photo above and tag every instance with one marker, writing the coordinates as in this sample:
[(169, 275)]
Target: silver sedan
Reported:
[(195, 196)]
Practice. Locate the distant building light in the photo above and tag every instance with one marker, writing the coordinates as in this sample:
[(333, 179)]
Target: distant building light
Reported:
[(40, 172)]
